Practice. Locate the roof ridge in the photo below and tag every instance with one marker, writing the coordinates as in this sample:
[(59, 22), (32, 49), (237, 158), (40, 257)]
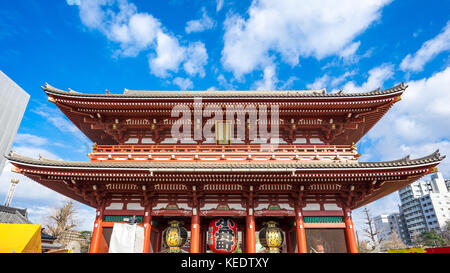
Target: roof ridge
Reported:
[(127, 93)]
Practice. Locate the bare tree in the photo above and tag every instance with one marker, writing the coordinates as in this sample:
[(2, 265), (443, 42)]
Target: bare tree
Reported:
[(415, 239), (61, 222), (364, 246), (370, 230), (445, 232), (394, 242)]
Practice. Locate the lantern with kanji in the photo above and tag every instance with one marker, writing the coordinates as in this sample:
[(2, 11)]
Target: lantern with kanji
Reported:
[(271, 237), (175, 236), (222, 235)]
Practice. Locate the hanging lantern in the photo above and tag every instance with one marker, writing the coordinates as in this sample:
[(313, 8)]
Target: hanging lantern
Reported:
[(175, 236), (271, 237), (222, 235)]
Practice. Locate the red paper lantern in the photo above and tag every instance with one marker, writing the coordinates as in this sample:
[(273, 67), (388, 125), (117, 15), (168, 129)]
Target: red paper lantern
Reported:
[(222, 235)]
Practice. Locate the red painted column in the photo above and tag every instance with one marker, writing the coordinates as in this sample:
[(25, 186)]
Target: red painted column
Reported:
[(250, 232), (148, 227), (97, 232), (352, 245), (300, 231), (250, 239), (195, 231)]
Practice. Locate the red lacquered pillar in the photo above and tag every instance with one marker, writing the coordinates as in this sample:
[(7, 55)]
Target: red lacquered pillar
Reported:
[(352, 245), (97, 232), (250, 240), (300, 231), (148, 227), (195, 231)]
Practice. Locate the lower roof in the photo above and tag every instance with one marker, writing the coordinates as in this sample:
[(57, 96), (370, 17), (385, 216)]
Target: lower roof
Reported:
[(433, 158), (402, 172)]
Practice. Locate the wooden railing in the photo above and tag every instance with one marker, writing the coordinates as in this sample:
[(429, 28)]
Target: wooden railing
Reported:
[(222, 152)]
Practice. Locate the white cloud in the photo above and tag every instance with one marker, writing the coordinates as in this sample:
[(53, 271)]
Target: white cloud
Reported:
[(201, 24), (228, 85), (269, 79), (319, 83), (219, 5), (136, 31), (377, 76), (92, 14), (73, 2), (328, 81), (34, 152), (428, 51), (184, 84), (196, 59), (30, 139), (295, 28), (169, 55), (348, 54), (288, 84), (139, 34)]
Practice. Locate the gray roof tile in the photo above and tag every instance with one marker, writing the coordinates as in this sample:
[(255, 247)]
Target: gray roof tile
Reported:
[(406, 161), (130, 94)]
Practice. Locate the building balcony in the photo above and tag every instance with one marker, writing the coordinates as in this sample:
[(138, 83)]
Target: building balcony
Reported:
[(238, 152)]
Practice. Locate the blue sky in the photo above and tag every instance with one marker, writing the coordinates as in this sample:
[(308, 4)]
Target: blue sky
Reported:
[(357, 46)]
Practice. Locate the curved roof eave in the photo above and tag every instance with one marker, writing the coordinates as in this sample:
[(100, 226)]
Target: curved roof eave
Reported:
[(135, 94), (405, 162)]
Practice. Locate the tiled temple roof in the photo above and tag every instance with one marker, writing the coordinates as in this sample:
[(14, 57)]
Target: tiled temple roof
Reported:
[(12, 215), (406, 161), (130, 94)]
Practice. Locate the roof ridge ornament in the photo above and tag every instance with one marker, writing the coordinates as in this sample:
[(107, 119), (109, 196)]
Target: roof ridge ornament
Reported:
[(375, 91), (437, 153), (43, 158), (399, 87), (73, 91), (48, 87)]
